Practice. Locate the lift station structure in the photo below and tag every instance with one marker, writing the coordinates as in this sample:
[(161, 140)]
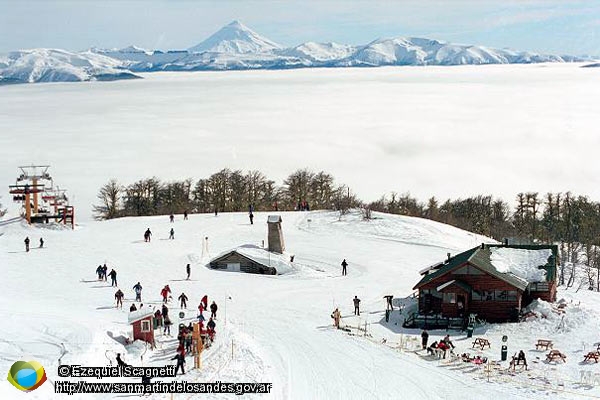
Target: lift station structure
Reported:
[(40, 199)]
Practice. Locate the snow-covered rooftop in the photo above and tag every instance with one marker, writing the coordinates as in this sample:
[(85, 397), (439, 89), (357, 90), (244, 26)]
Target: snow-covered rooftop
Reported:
[(262, 256), (139, 314), (522, 263)]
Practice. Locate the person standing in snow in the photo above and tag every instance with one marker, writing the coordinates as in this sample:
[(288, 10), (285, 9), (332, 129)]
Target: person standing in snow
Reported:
[(344, 265), (41, 243), (138, 292), (165, 293), (180, 362), (120, 362), (424, 338), (168, 323), (251, 219), (188, 269), (104, 272), (99, 272), (147, 235), (172, 218), (185, 215), (113, 277), (213, 310), (132, 308), (183, 300), (389, 305), (165, 311), (26, 244), (204, 301), (119, 297), (336, 315), (356, 301), (159, 318), (172, 234)]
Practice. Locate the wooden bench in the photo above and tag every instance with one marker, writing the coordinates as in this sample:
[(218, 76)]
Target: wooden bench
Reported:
[(555, 355), (481, 342), (544, 344), (592, 355)]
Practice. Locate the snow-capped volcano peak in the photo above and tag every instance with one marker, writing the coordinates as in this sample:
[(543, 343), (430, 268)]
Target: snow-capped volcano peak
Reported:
[(235, 38)]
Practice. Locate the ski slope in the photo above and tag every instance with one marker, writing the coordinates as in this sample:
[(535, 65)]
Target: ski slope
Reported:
[(280, 326)]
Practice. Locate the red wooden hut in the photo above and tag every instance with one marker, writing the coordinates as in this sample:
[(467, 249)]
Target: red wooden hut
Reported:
[(143, 328)]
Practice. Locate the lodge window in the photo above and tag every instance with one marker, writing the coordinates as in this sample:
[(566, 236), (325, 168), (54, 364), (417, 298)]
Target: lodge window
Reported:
[(145, 326), (539, 287), (495, 295), (450, 298)]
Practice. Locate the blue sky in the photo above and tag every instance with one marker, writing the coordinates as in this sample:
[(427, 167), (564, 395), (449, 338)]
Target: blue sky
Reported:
[(564, 27)]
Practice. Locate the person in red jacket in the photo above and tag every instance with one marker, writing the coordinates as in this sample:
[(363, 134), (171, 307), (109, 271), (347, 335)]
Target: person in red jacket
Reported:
[(165, 293), (204, 301)]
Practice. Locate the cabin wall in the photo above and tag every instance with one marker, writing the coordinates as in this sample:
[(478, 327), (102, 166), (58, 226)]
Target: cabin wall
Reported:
[(246, 265)]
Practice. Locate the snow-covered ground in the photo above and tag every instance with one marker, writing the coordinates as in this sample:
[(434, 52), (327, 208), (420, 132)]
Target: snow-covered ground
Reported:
[(280, 326), (449, 132)]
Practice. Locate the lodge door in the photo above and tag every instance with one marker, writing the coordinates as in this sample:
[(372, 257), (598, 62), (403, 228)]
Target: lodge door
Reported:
[(461, 305)]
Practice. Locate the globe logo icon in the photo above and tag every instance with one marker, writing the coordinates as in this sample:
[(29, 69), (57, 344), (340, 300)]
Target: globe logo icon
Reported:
[(26, 375)]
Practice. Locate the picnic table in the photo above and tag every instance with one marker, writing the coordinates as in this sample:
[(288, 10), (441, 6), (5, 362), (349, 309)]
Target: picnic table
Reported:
[(556, 355), (481, 342), (545, 344), (592, 355)]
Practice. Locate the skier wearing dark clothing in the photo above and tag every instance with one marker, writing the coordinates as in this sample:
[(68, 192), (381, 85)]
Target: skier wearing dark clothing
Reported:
[(113, 277), (172, 234), (344, 265), (424, 338), (119, 297), (211, 325), (168, 323), (120, 362), (180, 362), (356, 301), (165, 311), (41, 243), (147, 235), (172, 218), (104, 271), (26, 244), (188, 269), (185, 215), (99, 271), (251, 218), (138, 292), (213, 310), (183, 300)]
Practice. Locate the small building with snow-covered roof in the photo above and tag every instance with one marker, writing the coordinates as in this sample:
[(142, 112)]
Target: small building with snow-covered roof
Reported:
[(143, 328), (251, 259), (493, 281)]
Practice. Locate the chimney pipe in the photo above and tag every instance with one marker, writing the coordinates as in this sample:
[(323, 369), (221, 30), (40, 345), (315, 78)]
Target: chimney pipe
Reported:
[(482, 246), (449, 255)]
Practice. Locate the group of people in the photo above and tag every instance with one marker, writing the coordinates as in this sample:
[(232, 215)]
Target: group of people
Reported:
[(443, 345), (27, 242), (102, 272), (303, 206)]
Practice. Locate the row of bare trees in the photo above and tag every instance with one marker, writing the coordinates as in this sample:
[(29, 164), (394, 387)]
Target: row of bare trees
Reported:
[(225, 190)]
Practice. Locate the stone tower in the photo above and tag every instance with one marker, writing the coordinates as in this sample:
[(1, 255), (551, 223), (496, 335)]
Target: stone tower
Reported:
[(276, 244)]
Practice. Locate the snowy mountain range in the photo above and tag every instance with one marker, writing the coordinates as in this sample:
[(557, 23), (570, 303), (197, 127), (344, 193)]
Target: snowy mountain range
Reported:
[(237, 47)]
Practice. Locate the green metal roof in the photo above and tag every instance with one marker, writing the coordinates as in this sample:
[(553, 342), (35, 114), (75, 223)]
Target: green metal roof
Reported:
[(480, 258)]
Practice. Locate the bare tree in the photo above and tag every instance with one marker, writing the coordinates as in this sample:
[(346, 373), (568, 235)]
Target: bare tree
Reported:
[(110, 201)]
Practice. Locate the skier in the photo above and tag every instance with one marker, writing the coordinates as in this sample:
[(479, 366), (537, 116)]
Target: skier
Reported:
[(138, 292), (165, 293), (26, 244), (356, 301), (99, 272), (213, 310), (159, 318), (165, 311), (120, 362), (388, 299), (132, 308), (172, 218), (172, 234), (188, 340), (119, 297), (188, 269), (201, 310), (113, 277), (104, 271), (41, 243), (424, 338), (216, 211), (185, 215), (180, 362), (344, 265), (251, 218), (168, 323), (147, 235), (336, 315), (183, 300), (204, 301), (211, 328)]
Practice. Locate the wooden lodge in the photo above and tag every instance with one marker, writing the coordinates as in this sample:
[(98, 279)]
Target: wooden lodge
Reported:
[(491, 281)]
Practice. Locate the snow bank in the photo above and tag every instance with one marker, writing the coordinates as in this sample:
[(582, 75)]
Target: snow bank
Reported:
[(521, 262)]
